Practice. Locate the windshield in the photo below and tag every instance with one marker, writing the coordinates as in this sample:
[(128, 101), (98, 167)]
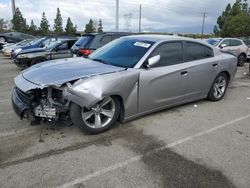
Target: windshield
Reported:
[(38, 41), (213, 42), (122, 52), (24, 42)]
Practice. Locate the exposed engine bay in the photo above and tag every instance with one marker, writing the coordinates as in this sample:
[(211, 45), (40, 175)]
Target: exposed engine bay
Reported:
[(48, 104)]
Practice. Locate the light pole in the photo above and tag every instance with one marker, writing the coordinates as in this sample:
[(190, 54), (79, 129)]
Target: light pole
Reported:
[(203, 24), (13, 5), (117, 16), (140, 13)]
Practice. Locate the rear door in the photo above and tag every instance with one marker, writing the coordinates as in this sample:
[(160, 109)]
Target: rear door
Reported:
[(165, 83), (203, 68)]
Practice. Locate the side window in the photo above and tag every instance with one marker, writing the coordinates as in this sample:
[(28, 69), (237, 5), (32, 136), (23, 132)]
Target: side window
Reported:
[(63, 46), (171, 54), (45, 43), (195, 51), (106, 39), (235, 43), (226, 41)]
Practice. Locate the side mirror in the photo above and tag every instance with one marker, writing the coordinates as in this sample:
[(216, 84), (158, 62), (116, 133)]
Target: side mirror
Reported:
[(223, 46), (153, 60)]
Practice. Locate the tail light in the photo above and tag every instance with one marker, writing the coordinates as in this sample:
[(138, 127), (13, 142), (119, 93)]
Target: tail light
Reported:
[(85, 52)]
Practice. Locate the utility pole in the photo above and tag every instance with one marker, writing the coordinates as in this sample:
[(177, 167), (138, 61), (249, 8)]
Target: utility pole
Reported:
[(203, 24), (140, 12), (13, 5), (117, 16)]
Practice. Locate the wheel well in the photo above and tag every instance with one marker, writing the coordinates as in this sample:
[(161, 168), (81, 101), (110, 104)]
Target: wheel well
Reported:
[(243, 53), (228, 75), (121, 115)]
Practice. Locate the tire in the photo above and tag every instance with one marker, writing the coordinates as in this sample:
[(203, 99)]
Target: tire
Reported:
[(36, 61), (241, 60), (90, 123), (2, 40), (220, 84)]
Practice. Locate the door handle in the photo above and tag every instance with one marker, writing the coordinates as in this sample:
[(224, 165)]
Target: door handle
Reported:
[(215, 65), (184, 73)]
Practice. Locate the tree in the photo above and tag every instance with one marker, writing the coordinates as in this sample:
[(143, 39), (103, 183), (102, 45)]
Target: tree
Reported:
[(234, 21), (58, 28), (19, 22), (1, 23), (44, 25), (216, 30), (89, 28), (70, 29), (32, 28), (100, 28)]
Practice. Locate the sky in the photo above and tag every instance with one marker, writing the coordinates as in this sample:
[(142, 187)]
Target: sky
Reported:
[(157, 15)]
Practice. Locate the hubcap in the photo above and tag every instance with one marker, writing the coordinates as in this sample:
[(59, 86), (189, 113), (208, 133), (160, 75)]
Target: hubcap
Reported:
[(2, 39), (99, 115), (241, 59), (219, 87)]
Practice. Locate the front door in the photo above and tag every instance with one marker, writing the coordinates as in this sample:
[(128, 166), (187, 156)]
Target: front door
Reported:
[(165, 83), (62, 51)]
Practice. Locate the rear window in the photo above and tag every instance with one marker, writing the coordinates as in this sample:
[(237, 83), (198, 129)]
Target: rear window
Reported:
[(195, 51), (83, 41), (235, 43)]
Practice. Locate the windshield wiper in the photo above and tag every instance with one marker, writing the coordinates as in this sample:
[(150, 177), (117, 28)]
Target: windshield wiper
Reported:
[(101, 61)]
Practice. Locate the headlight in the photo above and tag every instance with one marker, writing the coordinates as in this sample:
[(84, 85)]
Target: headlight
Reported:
[(18, 50), (22, 56)]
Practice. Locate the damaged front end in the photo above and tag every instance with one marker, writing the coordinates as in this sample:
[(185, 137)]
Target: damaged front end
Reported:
[(45, 104)]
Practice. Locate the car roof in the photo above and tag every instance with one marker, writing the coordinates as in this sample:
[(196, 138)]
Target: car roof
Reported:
[(158, 38), (105, 33)]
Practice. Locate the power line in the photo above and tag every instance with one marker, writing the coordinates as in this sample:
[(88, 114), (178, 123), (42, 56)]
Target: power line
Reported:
[(127, 22)]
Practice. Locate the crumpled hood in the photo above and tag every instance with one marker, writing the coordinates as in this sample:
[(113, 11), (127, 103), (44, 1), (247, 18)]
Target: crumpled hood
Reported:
[(58, 72), (32, 50)]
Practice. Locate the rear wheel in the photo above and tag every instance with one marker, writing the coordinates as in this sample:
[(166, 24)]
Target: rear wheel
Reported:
[(99, 118), (241, 60), (218, 88)]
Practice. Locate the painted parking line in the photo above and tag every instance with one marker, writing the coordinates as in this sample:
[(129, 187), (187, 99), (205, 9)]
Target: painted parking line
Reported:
[(151, 152), (5, 100), (6, 113)]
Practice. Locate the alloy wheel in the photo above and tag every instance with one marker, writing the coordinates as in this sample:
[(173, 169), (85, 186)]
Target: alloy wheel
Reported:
[(99, 115), (220, 85)]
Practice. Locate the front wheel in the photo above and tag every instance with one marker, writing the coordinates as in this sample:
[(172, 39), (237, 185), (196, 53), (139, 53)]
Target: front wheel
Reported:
[(218, 88), (99, 118), (2, 40)]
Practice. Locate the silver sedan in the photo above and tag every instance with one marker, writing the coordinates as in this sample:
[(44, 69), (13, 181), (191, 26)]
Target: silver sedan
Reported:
[(129, 77)]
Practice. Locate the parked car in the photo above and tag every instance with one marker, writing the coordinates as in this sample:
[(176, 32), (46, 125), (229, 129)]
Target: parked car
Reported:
[(234, 46), (8, 49), (14, 37), (127, 78), (247, 42), (90, 42), (4, 45), (54, 50), (40, 43)]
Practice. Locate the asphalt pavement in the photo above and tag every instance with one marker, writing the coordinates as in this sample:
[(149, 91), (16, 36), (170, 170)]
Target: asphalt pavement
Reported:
[(201, 144)]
